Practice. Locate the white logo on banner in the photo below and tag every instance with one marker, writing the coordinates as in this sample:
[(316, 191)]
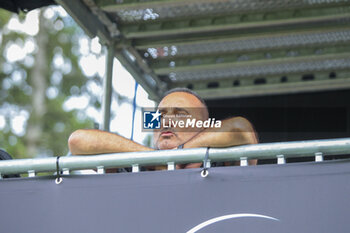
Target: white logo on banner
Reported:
[(225, 217)]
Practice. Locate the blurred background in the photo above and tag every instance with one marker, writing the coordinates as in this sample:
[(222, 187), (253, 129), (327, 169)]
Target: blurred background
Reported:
[(284, 65), (51, 83)]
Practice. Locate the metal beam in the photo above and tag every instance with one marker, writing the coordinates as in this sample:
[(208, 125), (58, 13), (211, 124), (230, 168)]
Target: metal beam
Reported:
[(282, 24), (160, 87), (163, 157), (239, 6), (263, 55), (144, 79), (241, 43), (80, 13), (274, 89), (257, 63), (107, 89), (111, 5)]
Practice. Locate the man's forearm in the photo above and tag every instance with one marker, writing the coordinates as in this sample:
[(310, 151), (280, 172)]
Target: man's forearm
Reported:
[(234, 131), (84, 142)]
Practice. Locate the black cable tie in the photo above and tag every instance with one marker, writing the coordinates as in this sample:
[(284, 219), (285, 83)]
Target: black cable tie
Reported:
[(205, 172), (58, 173)]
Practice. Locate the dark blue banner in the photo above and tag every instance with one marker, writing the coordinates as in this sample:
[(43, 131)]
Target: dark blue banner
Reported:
[(300, 197)]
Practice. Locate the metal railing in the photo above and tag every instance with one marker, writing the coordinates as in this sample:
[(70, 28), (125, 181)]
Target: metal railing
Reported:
[(281, 151)]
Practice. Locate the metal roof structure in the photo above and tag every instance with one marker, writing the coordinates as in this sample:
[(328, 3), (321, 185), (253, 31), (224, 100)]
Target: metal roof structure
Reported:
[(225, 48)]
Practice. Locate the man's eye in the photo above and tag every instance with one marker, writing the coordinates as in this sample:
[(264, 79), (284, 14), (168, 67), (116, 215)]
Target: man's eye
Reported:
[(182, 113), (164, 114)]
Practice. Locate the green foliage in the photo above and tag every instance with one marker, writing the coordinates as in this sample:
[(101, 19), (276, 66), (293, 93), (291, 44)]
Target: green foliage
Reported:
[(13, 145), (4, 16), (16, 87), (58, 125)]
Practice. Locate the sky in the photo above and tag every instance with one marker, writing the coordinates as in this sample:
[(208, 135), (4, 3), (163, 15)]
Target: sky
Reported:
[(92, 62)]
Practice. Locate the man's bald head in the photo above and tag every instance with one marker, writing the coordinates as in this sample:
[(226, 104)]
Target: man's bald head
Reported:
[(189, 91)]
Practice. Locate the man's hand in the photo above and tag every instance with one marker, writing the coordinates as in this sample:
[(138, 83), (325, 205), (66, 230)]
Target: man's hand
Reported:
[(234, 131)]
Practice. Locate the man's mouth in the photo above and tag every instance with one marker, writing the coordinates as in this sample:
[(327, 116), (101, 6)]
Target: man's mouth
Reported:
[(167, 133)]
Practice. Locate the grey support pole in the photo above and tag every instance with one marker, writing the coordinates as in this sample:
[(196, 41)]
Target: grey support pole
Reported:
[(107, 88)]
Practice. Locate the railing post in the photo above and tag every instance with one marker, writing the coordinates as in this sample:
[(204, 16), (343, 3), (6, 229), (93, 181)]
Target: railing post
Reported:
[(208, 164), (100, 170), (135, 168), (318, 157), (243, 162), (31, 173), (281, 159), (171, 166), (65, 171)]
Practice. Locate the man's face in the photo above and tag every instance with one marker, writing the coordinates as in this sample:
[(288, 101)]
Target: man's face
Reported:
[(178, 106)]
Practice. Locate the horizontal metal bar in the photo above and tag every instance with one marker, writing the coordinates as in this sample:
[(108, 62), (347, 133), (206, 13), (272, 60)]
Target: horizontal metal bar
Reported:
[(273, 89), (163, 157), (244, 42), (321, 21), (127, 5), (275, 65), (241, 6)]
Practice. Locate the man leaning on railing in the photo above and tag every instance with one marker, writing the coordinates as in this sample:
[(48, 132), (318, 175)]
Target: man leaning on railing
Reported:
[(177, 105)]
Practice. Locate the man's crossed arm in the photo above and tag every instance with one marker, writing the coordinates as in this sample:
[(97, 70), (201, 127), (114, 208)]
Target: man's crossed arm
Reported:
[(234, 131), (93, 141)]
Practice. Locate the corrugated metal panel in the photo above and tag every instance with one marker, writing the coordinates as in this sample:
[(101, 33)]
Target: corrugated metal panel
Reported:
[(219, 46)]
